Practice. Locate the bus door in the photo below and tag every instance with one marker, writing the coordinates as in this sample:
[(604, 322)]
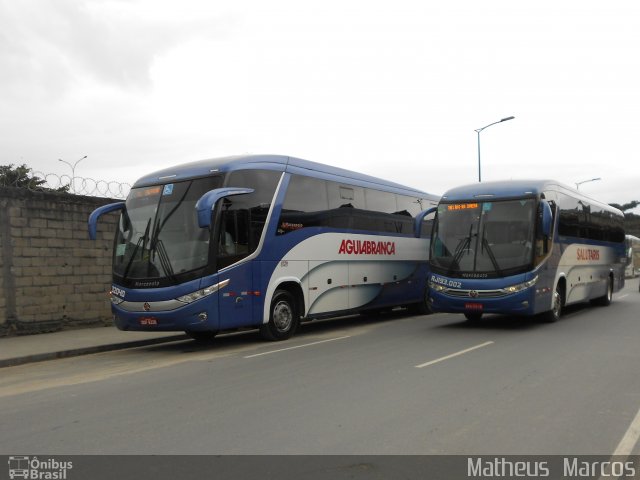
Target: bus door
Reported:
[(233, 246), (235, 304)]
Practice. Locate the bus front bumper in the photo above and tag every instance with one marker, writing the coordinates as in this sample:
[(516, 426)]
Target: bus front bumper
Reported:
[(519, 303), (201, 315)]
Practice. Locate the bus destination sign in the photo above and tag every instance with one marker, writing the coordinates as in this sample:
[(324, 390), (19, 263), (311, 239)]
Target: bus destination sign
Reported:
[(462, 206)]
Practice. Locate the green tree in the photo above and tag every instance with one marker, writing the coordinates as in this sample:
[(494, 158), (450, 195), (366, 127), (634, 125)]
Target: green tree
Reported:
[(21, 176), (626, 206)]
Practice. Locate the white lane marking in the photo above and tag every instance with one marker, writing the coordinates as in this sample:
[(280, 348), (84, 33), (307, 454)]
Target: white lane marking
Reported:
[(461, 352), (622, 296), (630, 439), (297, 346), (625, 447)]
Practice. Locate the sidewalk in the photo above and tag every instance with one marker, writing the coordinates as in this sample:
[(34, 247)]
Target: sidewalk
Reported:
[(18, 350)]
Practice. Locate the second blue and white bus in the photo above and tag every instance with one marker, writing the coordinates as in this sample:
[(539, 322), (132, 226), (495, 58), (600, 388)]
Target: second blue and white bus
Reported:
[(263, 241), (523, 248), (633, 256)]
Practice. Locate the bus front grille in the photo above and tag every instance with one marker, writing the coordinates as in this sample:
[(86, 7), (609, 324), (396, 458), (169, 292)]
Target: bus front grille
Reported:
[(458, 293)]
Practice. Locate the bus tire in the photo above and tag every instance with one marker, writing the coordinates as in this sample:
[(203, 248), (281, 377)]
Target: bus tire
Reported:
[(605, 300), (423, 307), (284, 318), (555, 313), (202, 337), (473, 317)]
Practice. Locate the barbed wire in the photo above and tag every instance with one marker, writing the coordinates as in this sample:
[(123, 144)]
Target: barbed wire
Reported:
[(43, 182)]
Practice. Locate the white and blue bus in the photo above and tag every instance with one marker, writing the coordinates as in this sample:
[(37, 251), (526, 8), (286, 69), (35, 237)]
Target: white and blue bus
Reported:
[(264, 241), (633, 256), (523, 248)]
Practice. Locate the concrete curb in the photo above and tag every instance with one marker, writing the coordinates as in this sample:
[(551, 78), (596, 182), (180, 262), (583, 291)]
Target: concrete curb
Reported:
[(75, 352)]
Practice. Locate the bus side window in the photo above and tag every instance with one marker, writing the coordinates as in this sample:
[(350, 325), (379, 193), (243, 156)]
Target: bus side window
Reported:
[(427, 226), (305, 204)]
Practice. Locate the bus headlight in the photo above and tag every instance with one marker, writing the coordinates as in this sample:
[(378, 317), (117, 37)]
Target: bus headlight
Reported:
[(521, 286), (116, 300), (205, 292), (436, 287)]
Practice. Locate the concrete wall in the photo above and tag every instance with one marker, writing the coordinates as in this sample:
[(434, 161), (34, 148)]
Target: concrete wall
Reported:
[(52, 275)]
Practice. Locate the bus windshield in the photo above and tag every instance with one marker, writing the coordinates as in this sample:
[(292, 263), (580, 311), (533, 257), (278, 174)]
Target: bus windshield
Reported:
[(158, 238), (484, 239)]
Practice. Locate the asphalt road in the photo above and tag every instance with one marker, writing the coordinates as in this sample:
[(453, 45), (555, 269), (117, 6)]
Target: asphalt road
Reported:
[(395, 384)]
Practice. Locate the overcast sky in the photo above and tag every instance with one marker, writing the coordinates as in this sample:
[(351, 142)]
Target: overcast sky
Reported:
[(392, 89)]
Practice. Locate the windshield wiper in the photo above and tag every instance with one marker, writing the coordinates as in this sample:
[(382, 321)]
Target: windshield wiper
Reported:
[(164, 260), (492, 257), (141, 241), (156, 244), (463, 246)]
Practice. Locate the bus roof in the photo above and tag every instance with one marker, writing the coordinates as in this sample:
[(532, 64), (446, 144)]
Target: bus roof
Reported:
[(281, 163), (514, 189)]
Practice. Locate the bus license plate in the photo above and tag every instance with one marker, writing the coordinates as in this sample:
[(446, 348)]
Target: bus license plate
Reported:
[(473, 306), (148, 321)]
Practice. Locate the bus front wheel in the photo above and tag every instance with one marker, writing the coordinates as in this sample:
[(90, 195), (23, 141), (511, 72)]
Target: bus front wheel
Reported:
[(554, 314), (283, 317)]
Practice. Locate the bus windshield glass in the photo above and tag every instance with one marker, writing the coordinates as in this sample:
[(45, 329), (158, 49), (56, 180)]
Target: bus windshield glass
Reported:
[(484, 239), (158, 238)]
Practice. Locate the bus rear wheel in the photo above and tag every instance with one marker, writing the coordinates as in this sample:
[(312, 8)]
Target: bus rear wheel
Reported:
[(605, 300), (423, 307), (284, 318)]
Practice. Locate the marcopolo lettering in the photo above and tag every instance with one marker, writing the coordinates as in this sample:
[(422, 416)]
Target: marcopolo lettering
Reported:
[(366, 247)]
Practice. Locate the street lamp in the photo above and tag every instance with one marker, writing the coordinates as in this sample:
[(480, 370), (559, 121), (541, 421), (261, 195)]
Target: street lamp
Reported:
[(478, 132), (586, 181), (73, 171)]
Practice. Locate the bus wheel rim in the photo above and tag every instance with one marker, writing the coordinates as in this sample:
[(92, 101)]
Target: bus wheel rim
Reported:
[(282, 316), (557, 305)]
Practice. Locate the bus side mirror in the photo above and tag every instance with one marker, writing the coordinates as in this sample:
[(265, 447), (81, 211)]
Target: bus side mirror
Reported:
[(206, 203), (97, 213), (547, 218), (417, 224)]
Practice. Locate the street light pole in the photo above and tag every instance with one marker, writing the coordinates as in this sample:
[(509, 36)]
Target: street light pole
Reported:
[(73, 171), (478, 130), (586, 181)]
